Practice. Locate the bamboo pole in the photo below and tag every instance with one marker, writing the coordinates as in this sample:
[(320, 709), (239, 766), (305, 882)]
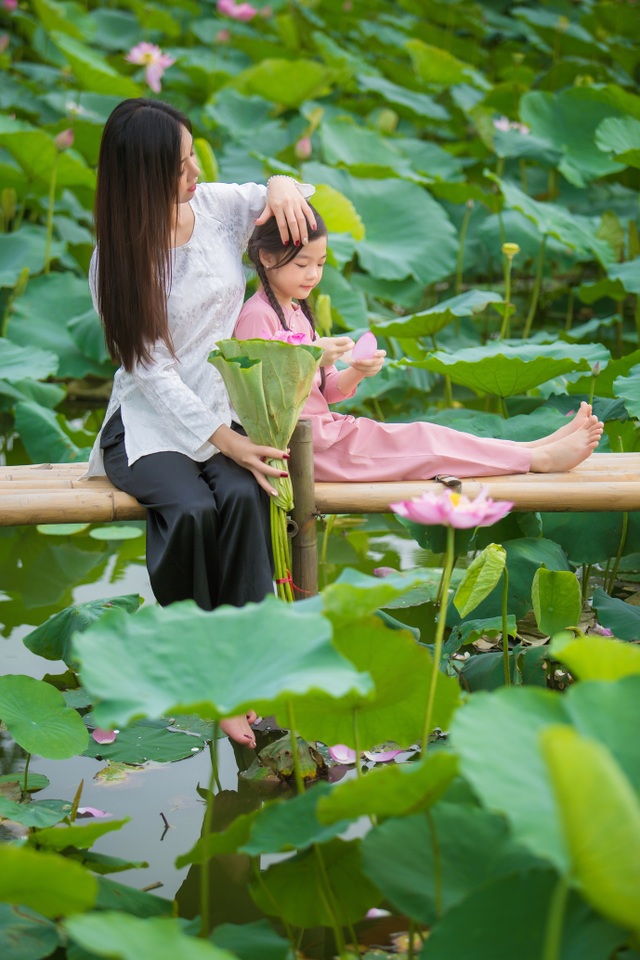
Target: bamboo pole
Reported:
[(304, 544)]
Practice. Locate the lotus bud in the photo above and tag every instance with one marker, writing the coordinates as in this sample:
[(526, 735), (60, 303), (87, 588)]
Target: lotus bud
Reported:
[(510, 250), (223, 36), (9, 199), (595, 369), (64, 140), (387, 120), (323, 314), (303, 148), (21, 285)]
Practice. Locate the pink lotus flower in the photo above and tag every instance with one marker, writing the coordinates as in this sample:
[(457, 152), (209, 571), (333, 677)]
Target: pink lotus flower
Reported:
[(504, 124), (452, 510), (154, 61), (286, 336), (91, 812), (64, 140), (302, 148), (237, 11), (104, 736), (10, 5), (384, 571), (599, 631), (223, 36)]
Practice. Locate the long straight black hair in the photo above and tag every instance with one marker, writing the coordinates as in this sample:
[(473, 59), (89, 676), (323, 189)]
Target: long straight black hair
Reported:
[(136, 197)]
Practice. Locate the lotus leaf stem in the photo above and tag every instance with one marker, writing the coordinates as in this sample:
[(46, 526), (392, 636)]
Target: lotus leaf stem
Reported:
[(52, 200), (325, 546), (329, 902), (505, 627), (440, 625), (297, 769), (552, 949), (621, 546), (206, 831), (26, 772), (76, 802), (506, 319), (281, 555), (537, 286), (461, 241)]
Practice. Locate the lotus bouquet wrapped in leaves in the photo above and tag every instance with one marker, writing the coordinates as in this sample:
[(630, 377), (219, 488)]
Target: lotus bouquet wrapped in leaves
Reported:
[(268, 382)]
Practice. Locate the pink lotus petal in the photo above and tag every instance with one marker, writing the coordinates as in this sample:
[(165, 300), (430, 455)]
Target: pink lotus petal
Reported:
[(384, 571), (303, 148), (104, 736), (375, 913), (382, 757), (91, 812), (286, 336), (600, 631), (342, 754), (365, 347)]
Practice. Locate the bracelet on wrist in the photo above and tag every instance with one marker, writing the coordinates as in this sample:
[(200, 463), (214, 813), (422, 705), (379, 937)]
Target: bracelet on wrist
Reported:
[(281, 176)]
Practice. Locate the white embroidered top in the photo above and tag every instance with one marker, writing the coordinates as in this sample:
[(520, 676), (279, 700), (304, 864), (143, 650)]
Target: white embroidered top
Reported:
[(177, 403)]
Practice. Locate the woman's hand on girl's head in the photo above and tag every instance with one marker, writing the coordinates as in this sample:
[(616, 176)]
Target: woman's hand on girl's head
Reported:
[(249, 455), (369, 368), (291, 210), (334, 348)]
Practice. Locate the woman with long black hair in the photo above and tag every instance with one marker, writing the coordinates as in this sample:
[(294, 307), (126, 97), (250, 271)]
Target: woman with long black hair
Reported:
[(167, 281)]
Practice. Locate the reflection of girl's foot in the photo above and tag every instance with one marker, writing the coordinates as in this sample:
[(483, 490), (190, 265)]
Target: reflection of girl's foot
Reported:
[(569, 450), (239, 729), (583, 416)]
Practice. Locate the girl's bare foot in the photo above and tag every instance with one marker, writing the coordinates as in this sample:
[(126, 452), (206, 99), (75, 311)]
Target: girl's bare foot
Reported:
[(583, 415), (239, 729), (568, 451)]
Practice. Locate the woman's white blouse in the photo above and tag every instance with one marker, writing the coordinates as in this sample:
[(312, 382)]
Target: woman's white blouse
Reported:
[(177, 403)]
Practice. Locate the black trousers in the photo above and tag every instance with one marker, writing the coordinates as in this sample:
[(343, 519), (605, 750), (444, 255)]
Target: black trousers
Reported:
[(208, 529)]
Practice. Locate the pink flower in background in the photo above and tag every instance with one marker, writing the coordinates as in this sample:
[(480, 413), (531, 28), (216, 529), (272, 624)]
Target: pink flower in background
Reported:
[(10, 5), (287, 336), (4, 42), (64, 140), (384, 571), (452, 510), (104, 736), (154, 60), (504, 124), (223, 36), (600, 631), (302, 148), (237, 11)]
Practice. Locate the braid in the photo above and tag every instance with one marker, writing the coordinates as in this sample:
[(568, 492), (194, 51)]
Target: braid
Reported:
[(266, 286)]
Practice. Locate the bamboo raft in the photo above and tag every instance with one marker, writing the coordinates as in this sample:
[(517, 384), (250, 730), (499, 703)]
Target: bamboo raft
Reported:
[(55, 493)]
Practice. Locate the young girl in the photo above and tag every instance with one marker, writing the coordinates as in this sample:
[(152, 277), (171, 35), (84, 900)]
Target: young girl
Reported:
[(356, 448), (167, 281)]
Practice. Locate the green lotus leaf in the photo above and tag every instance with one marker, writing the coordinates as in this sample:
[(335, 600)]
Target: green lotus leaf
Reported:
[(252, 940), (296, 889), (39, 720), (25, 934), (503, 370), (132, 666), (38, 813), (440, 68), (621, 617), (120, 936), (481, 576), (431, 321), (92, 71), (419, 103), (620, 136), (18, 363), (585, 538), (428, 255), (142, 742), (70, 20), (219, 842), (473, 847), (338, 213), (557, 600), (292, 824), (52, 639), (271, 79), (597, 658), (44, 435), (24, 249), (81, 836), (393, 790), (575, 231), (569, 119), (46, 882), (36, 153), (401, 671), (627, 273), (603, 836)]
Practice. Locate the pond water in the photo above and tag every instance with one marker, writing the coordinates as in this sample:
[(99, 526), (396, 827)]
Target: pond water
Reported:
[(43, 574)]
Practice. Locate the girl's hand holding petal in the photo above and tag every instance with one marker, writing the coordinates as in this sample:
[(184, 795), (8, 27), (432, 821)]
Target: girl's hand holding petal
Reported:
[(334, 349), (291, 210), (369, 368)]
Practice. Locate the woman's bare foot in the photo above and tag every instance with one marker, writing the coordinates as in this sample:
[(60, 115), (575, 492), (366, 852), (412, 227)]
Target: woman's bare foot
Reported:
[(239, 729), (568, 451), (583, 416)]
